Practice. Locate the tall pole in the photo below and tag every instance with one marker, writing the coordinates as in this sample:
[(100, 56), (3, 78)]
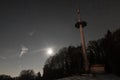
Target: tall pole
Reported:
[(80, 25)]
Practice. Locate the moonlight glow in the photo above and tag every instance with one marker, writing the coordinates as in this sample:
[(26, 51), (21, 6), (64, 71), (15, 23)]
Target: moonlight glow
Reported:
[(50, 51)]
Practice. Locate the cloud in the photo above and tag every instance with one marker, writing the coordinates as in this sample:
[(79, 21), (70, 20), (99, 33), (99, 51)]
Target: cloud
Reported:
[(38, 50), (23, 51), (3, 58), (31, 33)]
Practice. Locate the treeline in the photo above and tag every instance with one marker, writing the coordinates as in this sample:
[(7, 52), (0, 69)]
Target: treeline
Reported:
[(24, 75), (65, 63), (69, 61)]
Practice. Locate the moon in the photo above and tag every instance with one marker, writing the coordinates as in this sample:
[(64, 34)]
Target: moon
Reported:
[(50, 51)]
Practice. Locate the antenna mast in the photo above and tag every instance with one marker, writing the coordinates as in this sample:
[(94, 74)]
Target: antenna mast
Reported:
[(80, 25)]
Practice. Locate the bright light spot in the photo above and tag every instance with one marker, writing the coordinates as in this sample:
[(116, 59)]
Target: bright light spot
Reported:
[(50, 51)]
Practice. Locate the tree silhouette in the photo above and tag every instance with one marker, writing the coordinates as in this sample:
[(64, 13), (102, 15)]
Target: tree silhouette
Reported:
[(27, 75), (115, 52), (108, 45), (96, 52), (38, 76), (106, 51), (5, 77)]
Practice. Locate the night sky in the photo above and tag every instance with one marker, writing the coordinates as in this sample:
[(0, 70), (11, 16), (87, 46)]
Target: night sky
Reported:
[(29, 27)]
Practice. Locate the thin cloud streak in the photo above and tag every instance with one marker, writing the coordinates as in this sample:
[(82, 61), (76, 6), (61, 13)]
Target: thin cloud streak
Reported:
[(38, 50), (31, 33), (3, 58), (24, 50)]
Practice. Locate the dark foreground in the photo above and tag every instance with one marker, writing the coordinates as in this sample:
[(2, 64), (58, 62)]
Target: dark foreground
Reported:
[(90, 77)]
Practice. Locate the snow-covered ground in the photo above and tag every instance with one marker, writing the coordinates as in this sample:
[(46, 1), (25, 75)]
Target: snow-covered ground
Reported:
[(89, 77)]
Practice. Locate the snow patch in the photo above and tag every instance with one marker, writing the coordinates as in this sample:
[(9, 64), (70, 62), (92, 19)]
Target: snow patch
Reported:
[(97, 77)]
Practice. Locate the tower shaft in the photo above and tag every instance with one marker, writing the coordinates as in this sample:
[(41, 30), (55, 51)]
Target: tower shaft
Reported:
[(80, 24), (83, 48)]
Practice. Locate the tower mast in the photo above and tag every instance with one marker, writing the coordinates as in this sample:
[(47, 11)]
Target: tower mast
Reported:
[(80, 25)]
